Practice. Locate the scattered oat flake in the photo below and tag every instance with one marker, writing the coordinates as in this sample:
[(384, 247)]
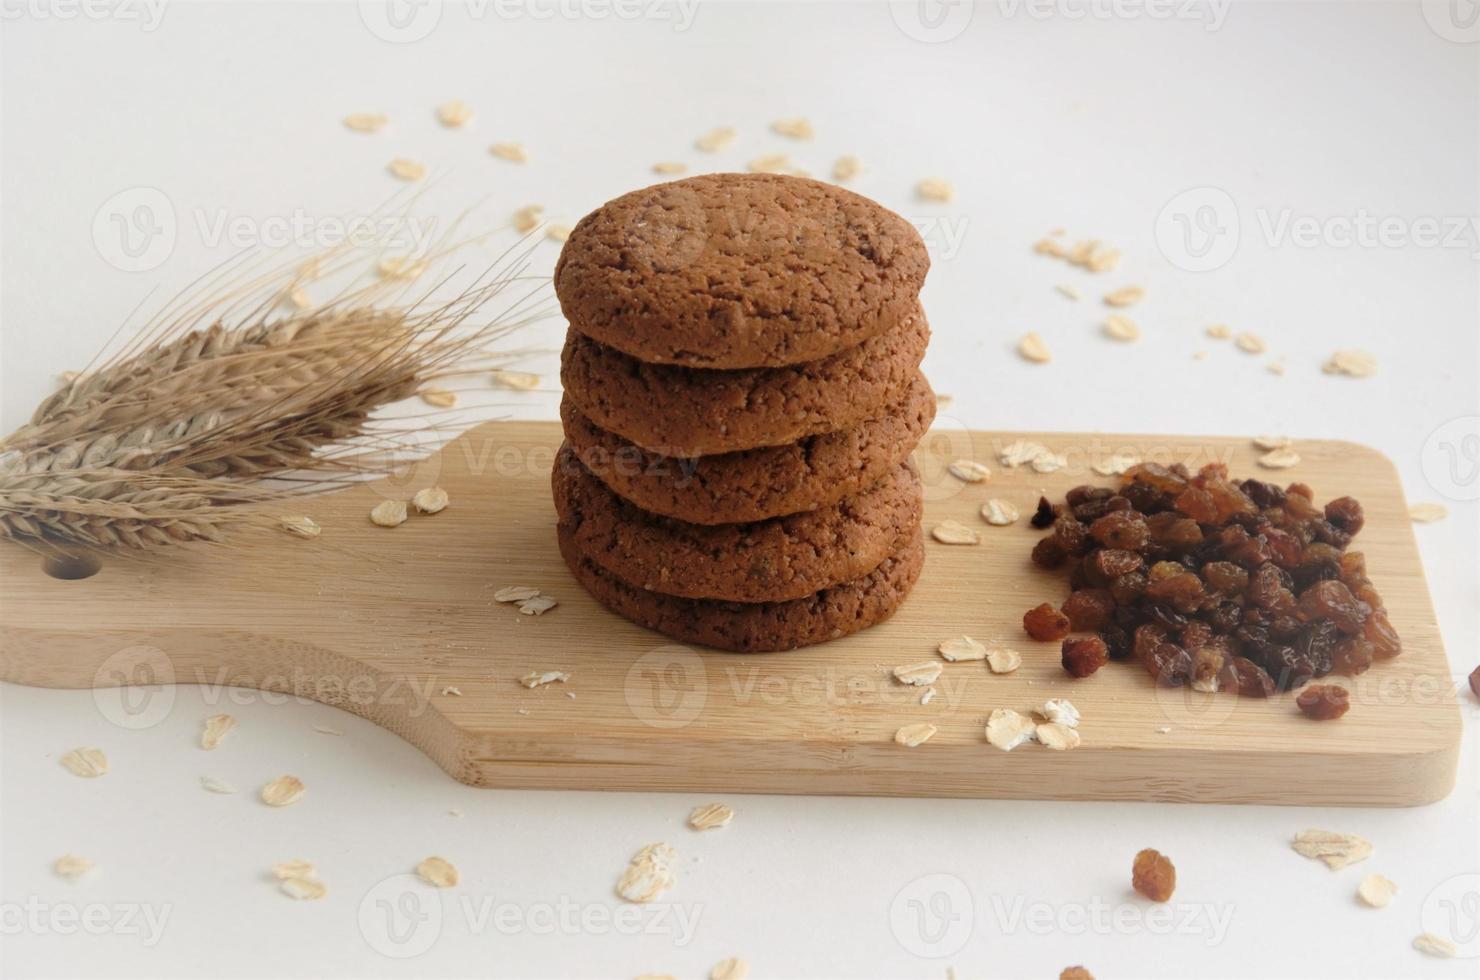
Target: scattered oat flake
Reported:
[(1060, 738), (954, 532), (1437, 946), (303, 889), (1115, 465), (648, 874), (959, 648), (1060, 711), (999, 513), (515, 593), (454, 113), (1054, 249), (1376, 891), (969, 470), (327, 730), (769, 163), (1003, 660), (88, 763), (1125, 296), (912, 735), (216, 728), (527, 218), (303, 527), (1219, 331), (1006, 729), (733, 968), (366, 122), (797, 129), (716, 139), (539, 678), (296, 868), (1337, 850), (935, 189), (451, 691), (537, 606), (669, 167), (920, 674), (710, 816), (927, 695), (1352, 363), (516, 380), (1275, 367), (557, 233), (1270, 443), (1279, 459), (72, 866), (1104, 261), (388, 513), (1068, 291), (1250, 343), (429, 500), (846, 168), (513, 152), (298, 296), (1020, 451), (1427, 513), (1199, 355), (400, 267), (1119, 327), (1164, 730), (213, 785), (1032, 348), (1048, 462), (438, 397), (283, 791), (437, 871), (404, 169)]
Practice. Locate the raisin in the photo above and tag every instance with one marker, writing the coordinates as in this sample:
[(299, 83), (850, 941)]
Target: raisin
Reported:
[(1475, 682), (1182, 590), (1208, 664), (1049, 553), (1285, 549), (1380, 633), (1126, 589), (1117, 641), (1345, 513), (1329, 599), (1316, 642), (1328, 533), (1286, 667), (1153, 875), (1223, 616), (1072, 536), (1075, 973), (1146, 498), (1323, 702), (1248, 678), (1225, 577), (1046, 623), (1089, 609), (1122, 529), (1083, 655), (1171, 530), (1352, 655), (1169, 665), (1115, 562), (1228, 499), (1195, 635), (1044, 516), (1198, 505), (1146, 638), (1263, 494), (1157, 476)]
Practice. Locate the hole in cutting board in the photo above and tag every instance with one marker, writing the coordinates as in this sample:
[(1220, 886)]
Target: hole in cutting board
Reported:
[(70, 568)]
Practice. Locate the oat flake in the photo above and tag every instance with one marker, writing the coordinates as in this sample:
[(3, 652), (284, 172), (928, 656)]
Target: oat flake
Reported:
[(1219, 331), (1054, 249), (296, 868), (797, 129), (539, 678), (1352, 363), (716, 139), (935, 189), (388, 513), (970, 471), (960, 648), (1337, 850), (710, 816), (1250, 343), (1115, 465), (303, 889), (366, 122), (733, 968), (451, 692), (1032, 348), (438, 872), (1048, 462), (1003, 660), (927, 695), (1006, 729), (1122, 328), (537, 606), (88, 763), (846, 168), (557, 233), (1376, 891), (999, 513), (648, 875), (769, 163), (1279, 459), (1068, 291), (920, 674), (1270, 443), (516, 380), (283, 791), (1125, 296), (515, 593), (669, 167), (327, 730), (72, 866), (912, 735), (513, 152), (213, 785), (216, 728), (1020, 451), (299, 298), (1426, 513), (1437, 946), (429, 500), (1104, 261), (302, 527), (438, 397), (954, 532), (1060, 738), (1060, 711), (400, 267), (454, 114), (527, 218), (404, 169)]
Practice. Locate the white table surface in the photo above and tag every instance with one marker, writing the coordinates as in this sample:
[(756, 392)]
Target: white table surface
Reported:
[(1275, 115)]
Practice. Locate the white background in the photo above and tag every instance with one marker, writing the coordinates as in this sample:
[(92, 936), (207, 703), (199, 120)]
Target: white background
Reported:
[(1287, 111)]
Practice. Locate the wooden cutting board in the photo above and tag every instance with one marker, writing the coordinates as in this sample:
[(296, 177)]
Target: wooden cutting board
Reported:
[(391, 623)]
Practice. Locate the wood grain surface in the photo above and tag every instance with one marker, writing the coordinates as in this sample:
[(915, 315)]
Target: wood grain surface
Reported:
[(389, 623)]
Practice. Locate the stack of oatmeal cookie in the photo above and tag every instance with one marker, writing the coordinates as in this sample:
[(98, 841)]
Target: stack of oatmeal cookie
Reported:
[(742, 396)]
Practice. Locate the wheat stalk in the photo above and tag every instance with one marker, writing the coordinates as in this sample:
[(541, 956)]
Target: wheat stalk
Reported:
[(166, 442)]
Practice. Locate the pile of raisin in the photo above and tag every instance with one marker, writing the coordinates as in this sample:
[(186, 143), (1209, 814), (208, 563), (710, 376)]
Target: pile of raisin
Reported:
[(1218, 584)]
